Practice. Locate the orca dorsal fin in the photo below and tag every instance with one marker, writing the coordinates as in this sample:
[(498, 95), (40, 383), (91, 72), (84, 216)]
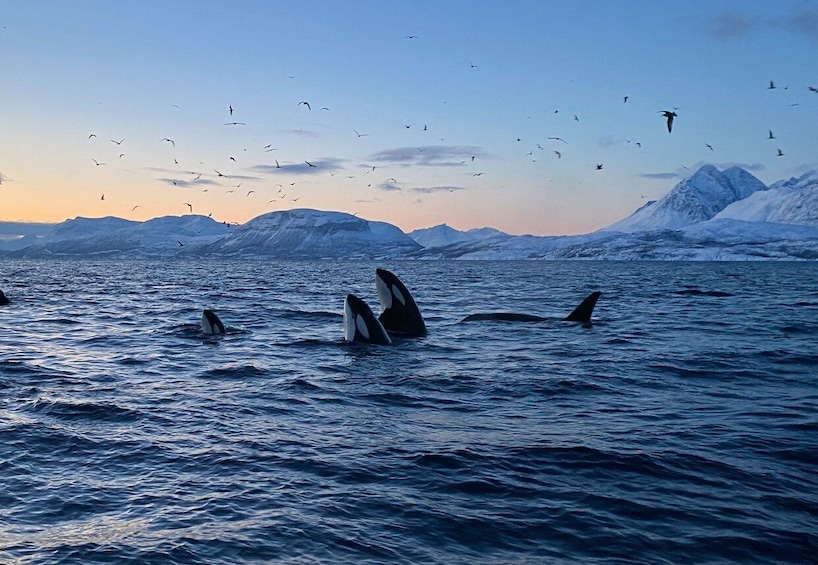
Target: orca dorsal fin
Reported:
[(582, 313)]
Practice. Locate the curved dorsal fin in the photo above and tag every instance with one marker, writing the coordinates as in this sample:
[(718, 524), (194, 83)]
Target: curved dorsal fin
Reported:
[(582, 313)]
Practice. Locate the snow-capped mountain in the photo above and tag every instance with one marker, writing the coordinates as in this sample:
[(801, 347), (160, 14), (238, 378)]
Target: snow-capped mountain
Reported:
[(712, 215), (443, 235), (314, 234), (115, 237), (793, 201), (696, 199)]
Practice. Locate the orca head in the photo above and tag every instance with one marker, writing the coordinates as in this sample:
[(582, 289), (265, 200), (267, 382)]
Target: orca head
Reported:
[(361, 325), (399, 312), (211, 324)]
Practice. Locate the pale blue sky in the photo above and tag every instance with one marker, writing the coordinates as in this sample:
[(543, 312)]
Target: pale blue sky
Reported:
[(478, 76)]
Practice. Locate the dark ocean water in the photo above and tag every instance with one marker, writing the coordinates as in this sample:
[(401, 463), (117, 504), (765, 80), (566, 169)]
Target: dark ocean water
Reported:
[(681, 427)]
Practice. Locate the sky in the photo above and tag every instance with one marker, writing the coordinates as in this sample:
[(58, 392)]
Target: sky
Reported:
[(417, 112)]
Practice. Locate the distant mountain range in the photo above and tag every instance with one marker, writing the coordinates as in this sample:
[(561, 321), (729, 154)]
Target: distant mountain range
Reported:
[(711, 215)]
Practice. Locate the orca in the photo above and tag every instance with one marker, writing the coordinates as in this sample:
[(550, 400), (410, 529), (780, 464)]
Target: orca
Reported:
[(211, 324), (3, 299), (399, 312), (361, 325), (581, 313)]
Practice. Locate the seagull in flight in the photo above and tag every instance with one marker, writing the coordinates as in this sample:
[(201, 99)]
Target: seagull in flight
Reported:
[(710, 147), (118, 142), (189, 206), (669, 115), (305, 103), (812, 89), (558, 139), (770, 135), (169, 140), (135, 207), (97, 163), (360, 134), (772, 86), (235, 124), (230, 109), (780, 153), (599, 167), (310, 164)]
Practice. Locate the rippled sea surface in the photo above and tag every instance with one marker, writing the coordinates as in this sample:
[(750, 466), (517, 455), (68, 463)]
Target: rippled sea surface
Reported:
[(680, 427)]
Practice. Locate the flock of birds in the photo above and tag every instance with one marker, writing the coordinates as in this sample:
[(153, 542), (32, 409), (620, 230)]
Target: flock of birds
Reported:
[(391, 183)]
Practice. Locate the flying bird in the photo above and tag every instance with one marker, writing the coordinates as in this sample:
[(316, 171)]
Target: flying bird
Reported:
[(118, 142), (626, 100), (169, 140), (189, 206), (770, 135), (558, 139), (360, 134), (310, 164), (249, 192), (135, 207), (219, 174), (559, 155), (230, 109), (102, 197), (812, 89), (710, 147), (180, 243), (772, 86), (669, 115), (780, 153), (92, 135), (599, 167), (305, 103), (235, 124), (97, 163)]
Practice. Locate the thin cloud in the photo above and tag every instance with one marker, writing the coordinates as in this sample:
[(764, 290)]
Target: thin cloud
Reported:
[(730, 25), (804, 22), (431, 155), (318, 166), (433, 189), (301, 133), (659, 176), (388, 186)]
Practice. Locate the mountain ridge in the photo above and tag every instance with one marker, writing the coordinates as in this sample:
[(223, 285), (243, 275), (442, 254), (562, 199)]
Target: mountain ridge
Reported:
[(710, 215)]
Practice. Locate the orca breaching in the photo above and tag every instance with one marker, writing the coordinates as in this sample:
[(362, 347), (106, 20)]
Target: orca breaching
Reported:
[(400, 315)]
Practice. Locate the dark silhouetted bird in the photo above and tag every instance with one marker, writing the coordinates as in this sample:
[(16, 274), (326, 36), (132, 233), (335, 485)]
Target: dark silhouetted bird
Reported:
[(669, 115)]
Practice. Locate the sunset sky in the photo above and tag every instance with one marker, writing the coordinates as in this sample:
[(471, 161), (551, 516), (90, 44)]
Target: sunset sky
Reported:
[(471, 113)]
